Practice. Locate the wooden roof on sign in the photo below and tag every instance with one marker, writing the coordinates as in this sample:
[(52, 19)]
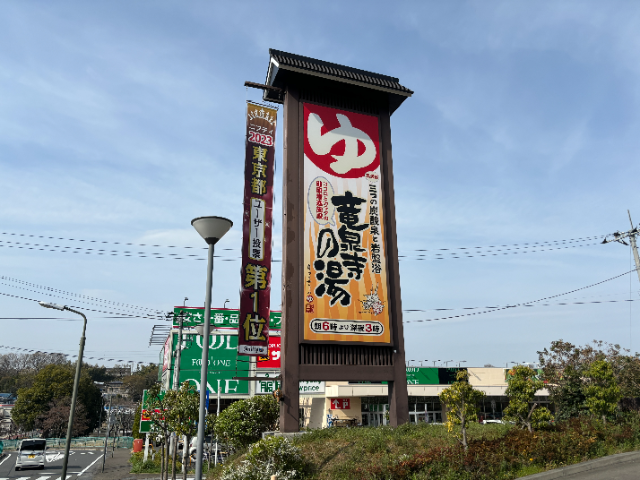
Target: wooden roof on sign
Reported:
[(283, 61)]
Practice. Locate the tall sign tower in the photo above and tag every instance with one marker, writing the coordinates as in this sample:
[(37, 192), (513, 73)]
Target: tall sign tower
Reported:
[(341, 305)]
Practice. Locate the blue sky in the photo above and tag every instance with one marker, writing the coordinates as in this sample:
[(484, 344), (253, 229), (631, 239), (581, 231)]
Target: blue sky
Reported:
[(122, 121)]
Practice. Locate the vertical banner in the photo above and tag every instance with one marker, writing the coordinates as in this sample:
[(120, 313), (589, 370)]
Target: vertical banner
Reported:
[(255, 292), (346, 287)]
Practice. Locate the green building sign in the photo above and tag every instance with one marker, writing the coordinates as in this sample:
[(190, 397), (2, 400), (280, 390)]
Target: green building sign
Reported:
[(431, 376), (224, 364), (219, 317)]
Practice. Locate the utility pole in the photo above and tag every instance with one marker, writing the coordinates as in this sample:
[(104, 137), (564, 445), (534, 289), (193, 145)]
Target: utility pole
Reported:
[(631, 235), (176, 383), (106, 438), (619, 237)]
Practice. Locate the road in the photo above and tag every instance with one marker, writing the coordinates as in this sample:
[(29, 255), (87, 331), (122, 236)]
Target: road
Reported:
[(81, 464), (622, 471)]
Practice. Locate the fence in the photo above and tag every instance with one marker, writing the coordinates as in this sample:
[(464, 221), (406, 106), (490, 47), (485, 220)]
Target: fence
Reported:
[(121, 442)]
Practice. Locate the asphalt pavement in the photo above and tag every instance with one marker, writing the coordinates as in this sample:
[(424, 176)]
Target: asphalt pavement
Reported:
[(84, 464), (81, 463), (623, 471)]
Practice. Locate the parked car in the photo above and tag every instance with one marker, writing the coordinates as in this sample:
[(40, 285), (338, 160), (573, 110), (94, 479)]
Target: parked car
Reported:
[(193, 448), (31, 453), (487, 421)]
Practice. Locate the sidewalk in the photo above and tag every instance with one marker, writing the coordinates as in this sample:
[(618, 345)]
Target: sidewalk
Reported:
[(118, 467)]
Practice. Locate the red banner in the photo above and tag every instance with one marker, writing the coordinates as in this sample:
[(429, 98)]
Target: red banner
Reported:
[(255, 292)]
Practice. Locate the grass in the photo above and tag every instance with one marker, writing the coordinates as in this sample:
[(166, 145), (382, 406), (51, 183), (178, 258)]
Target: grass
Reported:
[(341, 453), (496, 452)]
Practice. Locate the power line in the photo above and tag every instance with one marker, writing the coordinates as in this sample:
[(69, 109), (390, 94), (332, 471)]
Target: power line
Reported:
[(120, 315), (79, 296), (490, 253), (32, 351), (102, 241), (524, 303), (127, 311), (128, 253), (424, 310)]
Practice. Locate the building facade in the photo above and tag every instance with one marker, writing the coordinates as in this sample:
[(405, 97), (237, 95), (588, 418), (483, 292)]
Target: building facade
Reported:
[(321, 403)]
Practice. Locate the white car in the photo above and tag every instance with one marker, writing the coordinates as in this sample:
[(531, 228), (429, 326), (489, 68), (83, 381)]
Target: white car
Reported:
[(31, 453), (485, 422)]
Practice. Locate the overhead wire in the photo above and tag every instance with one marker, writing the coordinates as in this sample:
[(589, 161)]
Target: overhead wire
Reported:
[(120, 315), (76, 295), (32, 351), (525, 303), (526, 247)]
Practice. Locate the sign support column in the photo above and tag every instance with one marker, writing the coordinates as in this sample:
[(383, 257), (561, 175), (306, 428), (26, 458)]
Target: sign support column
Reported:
[(292, 261)]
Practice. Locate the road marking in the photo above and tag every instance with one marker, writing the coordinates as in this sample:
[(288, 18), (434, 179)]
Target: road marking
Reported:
[(83, 471), (45, 477), (23, 478), (8, 456)]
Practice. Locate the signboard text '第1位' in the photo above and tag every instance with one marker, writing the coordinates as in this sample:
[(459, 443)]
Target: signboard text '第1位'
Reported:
[(346, 288), (253, 329)]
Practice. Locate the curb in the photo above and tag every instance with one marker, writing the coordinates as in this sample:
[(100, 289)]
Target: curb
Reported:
[(586, 466)]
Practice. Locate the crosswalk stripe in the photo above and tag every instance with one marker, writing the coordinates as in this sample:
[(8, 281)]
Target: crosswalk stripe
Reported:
[(45, 477)]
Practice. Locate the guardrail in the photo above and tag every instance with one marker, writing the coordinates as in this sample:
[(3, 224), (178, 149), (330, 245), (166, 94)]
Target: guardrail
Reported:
[(121, 442)]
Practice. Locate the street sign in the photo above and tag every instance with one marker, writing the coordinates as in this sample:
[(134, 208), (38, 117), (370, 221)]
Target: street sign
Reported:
[(145, 420), (268, 385)]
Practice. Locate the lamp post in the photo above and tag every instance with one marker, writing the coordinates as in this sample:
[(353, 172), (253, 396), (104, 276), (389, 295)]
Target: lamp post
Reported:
[(212, 229), (461, 361), (74, 396)]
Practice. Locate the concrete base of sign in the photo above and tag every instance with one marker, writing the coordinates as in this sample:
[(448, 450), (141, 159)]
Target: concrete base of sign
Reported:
[(283, 434)]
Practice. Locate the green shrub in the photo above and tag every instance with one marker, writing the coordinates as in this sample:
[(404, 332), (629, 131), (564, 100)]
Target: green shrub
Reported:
[(271, 456), (140, 466), (243, 422)]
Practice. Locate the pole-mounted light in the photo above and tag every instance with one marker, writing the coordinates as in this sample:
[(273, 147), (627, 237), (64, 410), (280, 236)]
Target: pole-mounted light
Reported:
[(76, 381), (211, 229)]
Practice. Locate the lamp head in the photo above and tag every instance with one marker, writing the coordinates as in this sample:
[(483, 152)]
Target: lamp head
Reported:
[(212, 229), (52, 305)]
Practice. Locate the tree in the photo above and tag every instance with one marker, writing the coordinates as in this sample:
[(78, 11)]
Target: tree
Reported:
[(135, 429), (521, 389), (51, 383), (243, 422), (565, 366), (17, 370), (461, 400), (55, 421), (97, 374), (183, 411), (141, 380), (602, 393), (157, 408)]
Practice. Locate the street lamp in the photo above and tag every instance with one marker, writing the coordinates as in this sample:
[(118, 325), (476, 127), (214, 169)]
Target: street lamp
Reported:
[(461, 361), (446, 363), (225, 303), (74, 396), (212, 229)]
